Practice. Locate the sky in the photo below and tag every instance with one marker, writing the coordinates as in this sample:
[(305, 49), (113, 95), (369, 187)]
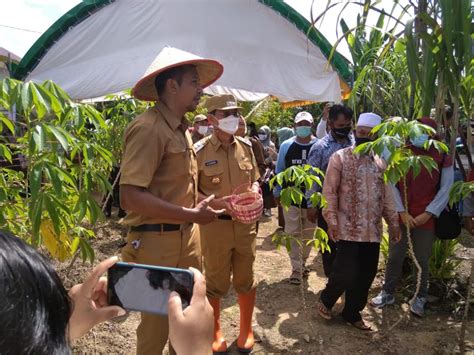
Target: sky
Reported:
[(36, 16)]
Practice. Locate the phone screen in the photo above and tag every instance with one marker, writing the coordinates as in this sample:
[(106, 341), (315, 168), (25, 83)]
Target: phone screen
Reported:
[(146, 288)]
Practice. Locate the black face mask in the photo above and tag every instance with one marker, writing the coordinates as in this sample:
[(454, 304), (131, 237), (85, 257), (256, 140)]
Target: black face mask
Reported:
[(342, 132), (362, 140)]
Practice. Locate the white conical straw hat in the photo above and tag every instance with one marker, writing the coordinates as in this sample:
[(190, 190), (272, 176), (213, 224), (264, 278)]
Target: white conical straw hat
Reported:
[(209, 71)]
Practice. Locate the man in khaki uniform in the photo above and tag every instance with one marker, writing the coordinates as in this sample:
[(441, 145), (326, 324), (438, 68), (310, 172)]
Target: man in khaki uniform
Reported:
[(225, 162), (159, 177)]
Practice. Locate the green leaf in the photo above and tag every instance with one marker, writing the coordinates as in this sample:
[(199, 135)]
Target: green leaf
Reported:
[(53, 213), (86, 250), (36, 212), (75, 244), (6, 121), (52, 174), (81, 207), (285, 197), (6, 152), (59, 136), (39, 137), (50, 101), (38, 101), (26, 97), (36, 176)]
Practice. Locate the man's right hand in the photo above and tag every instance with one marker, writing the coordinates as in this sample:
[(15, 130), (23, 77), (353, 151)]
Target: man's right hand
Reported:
[(326, 109), (408, 220), (312, 214), (203, 213), (333, 233)]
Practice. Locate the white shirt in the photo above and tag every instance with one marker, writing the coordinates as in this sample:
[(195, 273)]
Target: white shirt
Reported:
[(321, 129)]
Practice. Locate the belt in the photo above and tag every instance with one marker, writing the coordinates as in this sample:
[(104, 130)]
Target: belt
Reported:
[(163, 227), (225, 217)]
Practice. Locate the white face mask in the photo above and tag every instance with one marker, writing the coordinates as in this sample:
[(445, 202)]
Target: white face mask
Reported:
[(262, 137), (202, 130), (229, 125)]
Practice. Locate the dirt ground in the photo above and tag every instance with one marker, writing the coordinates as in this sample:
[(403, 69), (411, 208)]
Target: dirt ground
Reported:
[(284, 323)]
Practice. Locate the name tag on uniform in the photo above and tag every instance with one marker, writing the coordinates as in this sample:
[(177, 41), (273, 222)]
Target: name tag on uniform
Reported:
[(210, 162)]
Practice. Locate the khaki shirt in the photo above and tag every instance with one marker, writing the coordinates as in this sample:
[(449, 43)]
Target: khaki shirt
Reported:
[(220, 169), (159, 156)]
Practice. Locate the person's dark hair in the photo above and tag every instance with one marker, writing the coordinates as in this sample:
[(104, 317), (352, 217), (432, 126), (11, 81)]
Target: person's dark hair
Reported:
[(252, 129), (337, 110), (34, 306), (175, 73), (156, 278)]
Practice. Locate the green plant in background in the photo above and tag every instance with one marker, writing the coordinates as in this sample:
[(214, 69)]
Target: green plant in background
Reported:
[(52, 168), (460, 190), (118, 111), (415, 65), (270, 113), (381, 81), (442, 265), (294, 180), (439, 58)]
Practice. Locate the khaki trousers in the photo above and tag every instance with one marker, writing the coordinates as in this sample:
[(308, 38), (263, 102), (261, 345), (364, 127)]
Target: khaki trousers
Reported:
[(228, 248), (174, 249), (298, 226)]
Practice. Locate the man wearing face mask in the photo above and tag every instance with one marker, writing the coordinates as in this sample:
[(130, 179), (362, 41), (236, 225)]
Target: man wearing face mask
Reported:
[(427, 196), (200, 128), (339, 137), (295, 151), (225, 162), (357, 199)]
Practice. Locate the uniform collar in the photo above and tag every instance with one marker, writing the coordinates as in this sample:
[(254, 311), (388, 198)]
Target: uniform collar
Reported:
[(173, 121), (216, 143)]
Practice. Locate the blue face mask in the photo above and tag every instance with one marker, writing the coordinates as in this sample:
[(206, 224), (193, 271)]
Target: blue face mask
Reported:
[(303, 131), (419, 141)]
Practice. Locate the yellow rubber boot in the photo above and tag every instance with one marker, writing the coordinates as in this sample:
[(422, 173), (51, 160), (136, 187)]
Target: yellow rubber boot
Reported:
[(219, 344), (246, 340)]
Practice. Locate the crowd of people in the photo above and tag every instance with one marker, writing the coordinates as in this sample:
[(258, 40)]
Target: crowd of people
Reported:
[(176, 185)]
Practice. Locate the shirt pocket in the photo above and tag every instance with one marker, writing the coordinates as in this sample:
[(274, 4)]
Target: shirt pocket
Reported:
[(179, 158), (246, 169), (212, 178)]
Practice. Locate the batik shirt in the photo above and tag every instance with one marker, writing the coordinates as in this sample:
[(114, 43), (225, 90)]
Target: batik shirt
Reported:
[(357, 197)]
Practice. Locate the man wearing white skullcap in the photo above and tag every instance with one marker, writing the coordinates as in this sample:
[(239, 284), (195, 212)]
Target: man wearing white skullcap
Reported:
[(357, 199)]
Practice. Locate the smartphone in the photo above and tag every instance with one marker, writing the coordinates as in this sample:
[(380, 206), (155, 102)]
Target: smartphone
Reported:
[(146, 288)]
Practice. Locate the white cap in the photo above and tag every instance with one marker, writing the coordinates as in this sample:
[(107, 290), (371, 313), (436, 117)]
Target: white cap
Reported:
[(369, 119), (304, 116)]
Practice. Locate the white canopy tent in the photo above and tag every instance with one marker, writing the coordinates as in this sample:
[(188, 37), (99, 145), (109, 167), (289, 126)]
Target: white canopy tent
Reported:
[(104, 46)]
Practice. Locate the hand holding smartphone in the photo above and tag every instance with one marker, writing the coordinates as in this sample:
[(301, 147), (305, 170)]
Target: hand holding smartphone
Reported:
[(146, 288)]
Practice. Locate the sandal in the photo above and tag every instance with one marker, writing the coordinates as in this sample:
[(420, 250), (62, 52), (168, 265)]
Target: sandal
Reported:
[(324, 312), (360, 324)]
